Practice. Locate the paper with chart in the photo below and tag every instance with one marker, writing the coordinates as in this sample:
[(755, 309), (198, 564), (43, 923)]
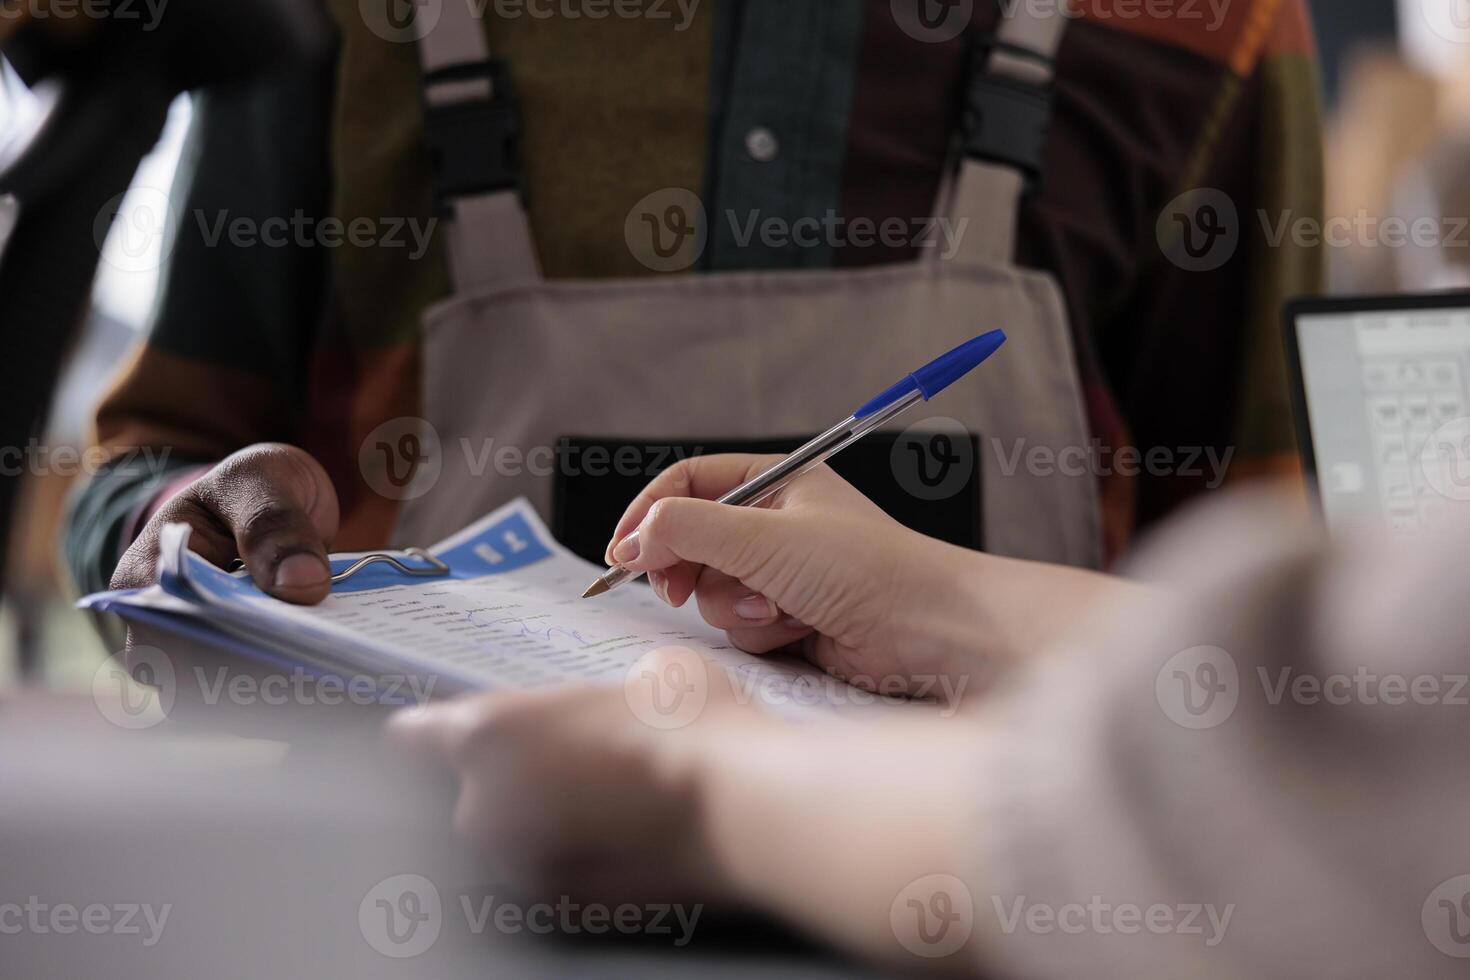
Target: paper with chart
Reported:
[(510, 614)]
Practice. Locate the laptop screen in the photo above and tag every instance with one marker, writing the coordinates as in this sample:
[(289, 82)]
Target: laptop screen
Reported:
[(1386, 394)]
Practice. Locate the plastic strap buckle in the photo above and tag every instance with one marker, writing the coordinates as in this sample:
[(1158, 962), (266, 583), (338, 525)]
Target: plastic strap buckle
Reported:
[(475, 143), (1006, 122)]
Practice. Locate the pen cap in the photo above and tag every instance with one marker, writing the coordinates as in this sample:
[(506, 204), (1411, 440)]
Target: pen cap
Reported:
[(940, 373), (945, 370)]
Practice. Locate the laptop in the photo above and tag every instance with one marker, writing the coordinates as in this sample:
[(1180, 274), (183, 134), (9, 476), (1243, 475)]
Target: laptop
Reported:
[(1382, 401)]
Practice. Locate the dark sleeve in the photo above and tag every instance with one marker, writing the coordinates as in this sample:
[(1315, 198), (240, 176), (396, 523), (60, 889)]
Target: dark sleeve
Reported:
[(225, 361)]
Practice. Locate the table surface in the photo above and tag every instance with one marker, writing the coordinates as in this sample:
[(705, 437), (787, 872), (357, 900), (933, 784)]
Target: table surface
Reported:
[(265, 849)]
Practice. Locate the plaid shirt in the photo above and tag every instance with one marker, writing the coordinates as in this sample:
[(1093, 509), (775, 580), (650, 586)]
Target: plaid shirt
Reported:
[(767, 109)]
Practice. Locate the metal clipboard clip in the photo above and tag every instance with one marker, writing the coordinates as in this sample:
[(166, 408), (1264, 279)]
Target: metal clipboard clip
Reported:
[(435, 569)]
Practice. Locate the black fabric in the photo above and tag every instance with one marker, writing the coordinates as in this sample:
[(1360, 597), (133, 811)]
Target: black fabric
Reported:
[(596, 478)]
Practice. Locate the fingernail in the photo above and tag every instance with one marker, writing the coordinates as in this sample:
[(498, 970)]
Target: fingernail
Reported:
[(627, 549), (301, 571), (660, 584), (756, 608)]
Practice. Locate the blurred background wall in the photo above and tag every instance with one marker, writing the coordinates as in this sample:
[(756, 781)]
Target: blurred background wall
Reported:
[(1343, 25), (1398, 142)]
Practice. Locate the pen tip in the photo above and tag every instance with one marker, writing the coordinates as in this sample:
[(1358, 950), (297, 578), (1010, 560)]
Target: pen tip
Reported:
[(598, 588)]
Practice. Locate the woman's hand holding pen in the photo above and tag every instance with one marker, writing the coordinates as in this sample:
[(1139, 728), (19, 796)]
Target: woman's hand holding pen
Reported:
[(821, 571), (818, 569)]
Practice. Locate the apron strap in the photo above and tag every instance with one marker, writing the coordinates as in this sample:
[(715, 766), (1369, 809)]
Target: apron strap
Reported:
[(1008, 108), (472, 125)]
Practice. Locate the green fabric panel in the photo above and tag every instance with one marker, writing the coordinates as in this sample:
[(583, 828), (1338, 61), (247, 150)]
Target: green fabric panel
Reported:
[(381, 171), (793, 75), (1291, 178), (614, 109)]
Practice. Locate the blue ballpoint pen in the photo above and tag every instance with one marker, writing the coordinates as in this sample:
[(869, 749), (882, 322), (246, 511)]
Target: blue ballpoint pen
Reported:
[(922, 385)]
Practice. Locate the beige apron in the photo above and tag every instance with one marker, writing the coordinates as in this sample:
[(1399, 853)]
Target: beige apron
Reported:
[(516, 362)]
